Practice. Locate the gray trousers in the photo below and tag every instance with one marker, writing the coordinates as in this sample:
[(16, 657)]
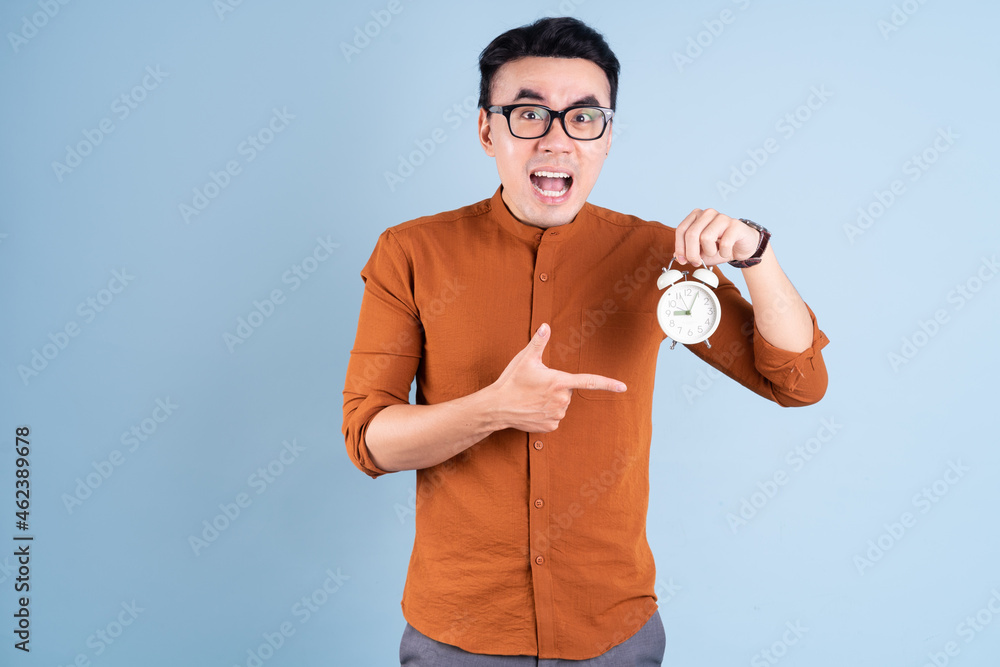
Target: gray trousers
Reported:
[(643, 649)]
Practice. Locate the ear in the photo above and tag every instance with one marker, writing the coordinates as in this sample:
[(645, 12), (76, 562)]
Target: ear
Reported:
[(486, 132), (610, 133)]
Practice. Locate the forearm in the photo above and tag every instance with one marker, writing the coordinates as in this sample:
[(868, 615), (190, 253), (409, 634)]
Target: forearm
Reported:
[(411, 437), (779, 312), (527, 396)]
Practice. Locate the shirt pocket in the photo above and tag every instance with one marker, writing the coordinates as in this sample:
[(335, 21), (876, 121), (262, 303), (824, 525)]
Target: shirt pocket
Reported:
[(622, 348)]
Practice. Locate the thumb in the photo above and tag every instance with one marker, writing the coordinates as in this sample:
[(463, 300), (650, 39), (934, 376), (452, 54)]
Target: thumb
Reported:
[(538, 342)]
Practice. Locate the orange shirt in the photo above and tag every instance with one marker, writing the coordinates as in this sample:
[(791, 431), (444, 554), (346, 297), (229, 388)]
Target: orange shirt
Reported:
[(535, 543)]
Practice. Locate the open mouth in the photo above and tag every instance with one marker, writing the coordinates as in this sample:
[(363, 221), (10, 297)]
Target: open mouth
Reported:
[(551, 183)]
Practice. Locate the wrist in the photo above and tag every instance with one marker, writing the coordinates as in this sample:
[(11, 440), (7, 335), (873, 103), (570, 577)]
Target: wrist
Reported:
[(484, 410), (755, 257)]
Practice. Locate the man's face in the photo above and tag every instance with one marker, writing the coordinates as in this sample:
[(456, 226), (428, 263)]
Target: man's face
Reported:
[(556, 83)]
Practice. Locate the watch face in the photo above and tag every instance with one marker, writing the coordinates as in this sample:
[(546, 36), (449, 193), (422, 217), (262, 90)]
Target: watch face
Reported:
[(688, 312)]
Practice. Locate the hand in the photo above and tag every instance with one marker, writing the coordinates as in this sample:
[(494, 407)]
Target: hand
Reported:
[(534, 398), (713, 238)]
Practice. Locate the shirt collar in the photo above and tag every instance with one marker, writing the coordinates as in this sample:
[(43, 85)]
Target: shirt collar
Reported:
[(530, 232)]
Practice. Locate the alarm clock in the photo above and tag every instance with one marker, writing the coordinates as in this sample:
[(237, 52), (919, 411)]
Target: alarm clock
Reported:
[(688, 312)]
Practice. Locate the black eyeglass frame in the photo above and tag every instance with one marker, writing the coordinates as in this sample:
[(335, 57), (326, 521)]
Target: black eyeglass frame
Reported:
[(553, 114)]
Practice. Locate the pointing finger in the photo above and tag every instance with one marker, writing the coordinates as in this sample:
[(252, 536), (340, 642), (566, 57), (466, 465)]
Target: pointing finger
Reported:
[(597, 382)]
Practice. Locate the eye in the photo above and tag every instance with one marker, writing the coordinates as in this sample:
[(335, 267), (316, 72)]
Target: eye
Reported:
[(531, 113), (585, 116)]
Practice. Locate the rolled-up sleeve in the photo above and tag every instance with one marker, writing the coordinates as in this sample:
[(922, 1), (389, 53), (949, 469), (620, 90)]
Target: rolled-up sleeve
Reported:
[(387, 347), (799, 378), (790, 379)]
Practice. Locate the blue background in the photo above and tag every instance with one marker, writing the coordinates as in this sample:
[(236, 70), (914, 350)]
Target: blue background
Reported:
[(351, 116)]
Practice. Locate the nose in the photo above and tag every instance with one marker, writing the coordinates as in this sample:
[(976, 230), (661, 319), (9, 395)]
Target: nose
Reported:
[(556, 140)]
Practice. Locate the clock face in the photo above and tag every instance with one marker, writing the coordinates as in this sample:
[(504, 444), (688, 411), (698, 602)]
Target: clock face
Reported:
[(688, 312)]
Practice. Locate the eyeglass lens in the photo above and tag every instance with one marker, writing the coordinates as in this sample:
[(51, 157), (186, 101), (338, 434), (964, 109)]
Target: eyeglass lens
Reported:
[(531, 122)]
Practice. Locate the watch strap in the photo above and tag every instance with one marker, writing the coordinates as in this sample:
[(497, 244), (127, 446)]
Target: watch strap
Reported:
[(753, 259)]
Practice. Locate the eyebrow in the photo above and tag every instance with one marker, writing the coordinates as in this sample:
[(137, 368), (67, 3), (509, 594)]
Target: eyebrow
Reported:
[(529, 94)]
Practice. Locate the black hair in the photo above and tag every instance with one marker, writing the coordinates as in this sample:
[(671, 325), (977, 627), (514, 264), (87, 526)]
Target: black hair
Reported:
[(560, 37)]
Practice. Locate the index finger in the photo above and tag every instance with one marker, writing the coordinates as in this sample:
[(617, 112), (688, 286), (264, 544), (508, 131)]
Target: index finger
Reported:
[(591, 381)]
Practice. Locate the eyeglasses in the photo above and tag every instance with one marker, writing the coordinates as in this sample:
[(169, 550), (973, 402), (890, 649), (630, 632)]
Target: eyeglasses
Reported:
[(532, 121)]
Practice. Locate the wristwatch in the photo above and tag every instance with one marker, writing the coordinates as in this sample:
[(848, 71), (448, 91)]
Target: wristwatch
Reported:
[(754, 259)]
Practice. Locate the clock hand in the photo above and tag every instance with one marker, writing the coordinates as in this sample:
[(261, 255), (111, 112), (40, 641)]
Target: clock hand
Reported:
[(692, 303)]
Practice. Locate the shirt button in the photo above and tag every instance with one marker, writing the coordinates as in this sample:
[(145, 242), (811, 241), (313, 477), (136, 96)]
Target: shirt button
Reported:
[(538, 237), (543, 277), (540, 560), (539, 502), (538, 444)]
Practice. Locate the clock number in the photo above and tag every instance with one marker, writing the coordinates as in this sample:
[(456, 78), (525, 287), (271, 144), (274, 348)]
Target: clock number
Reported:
[(687, 292), (671, 323), (700, 330)]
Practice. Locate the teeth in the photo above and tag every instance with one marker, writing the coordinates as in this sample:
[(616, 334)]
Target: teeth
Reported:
[(550, 193), (552, 174)]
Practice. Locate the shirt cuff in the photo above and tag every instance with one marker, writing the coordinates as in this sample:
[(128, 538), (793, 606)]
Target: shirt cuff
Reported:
[(360, 415)]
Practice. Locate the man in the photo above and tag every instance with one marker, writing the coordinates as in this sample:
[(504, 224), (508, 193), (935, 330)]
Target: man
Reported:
[(529, 322)]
